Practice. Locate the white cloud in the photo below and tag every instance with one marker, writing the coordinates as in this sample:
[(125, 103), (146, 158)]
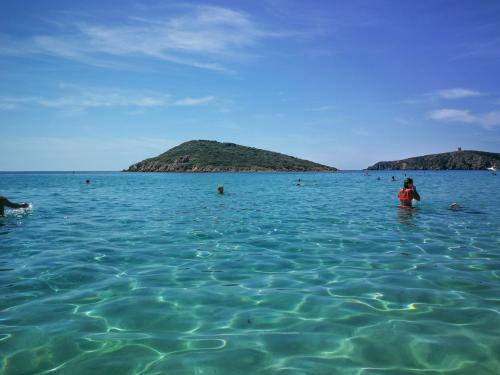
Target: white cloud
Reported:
[(194, 101), (487, 119), (452, 115), (199, 36), (74, 98), (84, 100), (444, 94), (457, 93)]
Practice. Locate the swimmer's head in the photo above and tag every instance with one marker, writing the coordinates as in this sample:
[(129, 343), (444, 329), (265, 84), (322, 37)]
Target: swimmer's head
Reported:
[(87, 181), (220, 189), (408, 183)]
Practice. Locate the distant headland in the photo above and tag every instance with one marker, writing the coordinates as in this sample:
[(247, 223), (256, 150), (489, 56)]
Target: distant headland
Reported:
[(458, 160), (213, 156)]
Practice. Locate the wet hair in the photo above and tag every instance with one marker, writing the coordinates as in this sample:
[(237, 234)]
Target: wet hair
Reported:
[(407, 182)]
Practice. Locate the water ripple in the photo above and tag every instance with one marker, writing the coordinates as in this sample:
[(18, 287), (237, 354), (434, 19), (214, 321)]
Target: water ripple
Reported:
[(155, 273)]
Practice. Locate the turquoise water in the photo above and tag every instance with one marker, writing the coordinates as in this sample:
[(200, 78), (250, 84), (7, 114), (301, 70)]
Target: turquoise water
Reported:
[(157, 274)]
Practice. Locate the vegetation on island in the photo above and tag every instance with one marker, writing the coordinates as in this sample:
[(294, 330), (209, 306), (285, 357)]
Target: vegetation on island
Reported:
[(460, 160), (213, 156)]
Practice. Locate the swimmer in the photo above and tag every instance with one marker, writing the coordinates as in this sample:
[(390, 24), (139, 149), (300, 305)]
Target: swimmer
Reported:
[(4, 202), (408, 193), (393, 178), (220, 189), (454, 206), (87, 182)]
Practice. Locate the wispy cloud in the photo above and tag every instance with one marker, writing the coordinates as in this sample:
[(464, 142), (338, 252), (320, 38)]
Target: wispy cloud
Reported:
[(487, 119), (199, 36), (444, 94), (194, 101), (85, 100), (320, 109), (457, 93), (452, 115), (363, 132), (76, 99), (486, 47)]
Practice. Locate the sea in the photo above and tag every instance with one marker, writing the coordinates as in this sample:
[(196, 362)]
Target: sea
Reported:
[(158, 274)]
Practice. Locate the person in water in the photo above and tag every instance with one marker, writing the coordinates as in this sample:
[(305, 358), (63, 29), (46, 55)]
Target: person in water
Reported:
[(220, 189), (4, 202), (408, 193)]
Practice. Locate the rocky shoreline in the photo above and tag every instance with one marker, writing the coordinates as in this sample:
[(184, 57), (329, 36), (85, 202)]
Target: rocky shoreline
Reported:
[(456, 160), (160, 167)]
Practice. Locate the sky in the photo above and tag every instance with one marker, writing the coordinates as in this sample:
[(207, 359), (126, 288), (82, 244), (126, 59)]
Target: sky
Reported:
[(100, 85)]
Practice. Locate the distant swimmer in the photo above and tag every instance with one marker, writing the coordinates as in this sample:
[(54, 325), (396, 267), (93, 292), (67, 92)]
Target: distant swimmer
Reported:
[(220, 189), (87, 182), (4, 202), (454, 206), (408, 193), (393, 178)]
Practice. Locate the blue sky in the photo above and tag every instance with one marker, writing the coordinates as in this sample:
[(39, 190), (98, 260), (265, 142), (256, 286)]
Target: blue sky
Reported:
[(100, 85)]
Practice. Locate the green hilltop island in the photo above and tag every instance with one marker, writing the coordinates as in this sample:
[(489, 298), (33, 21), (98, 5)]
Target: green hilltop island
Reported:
[(213, 156), (456, 160)]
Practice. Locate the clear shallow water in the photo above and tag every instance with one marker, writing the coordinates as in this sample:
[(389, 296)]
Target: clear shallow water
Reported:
[(156, 274)]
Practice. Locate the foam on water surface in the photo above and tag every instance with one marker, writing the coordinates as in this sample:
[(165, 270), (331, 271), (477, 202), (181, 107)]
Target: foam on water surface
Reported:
[(156, 273)]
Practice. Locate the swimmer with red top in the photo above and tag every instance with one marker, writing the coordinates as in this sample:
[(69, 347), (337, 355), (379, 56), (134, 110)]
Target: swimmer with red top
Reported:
[(408, 193)]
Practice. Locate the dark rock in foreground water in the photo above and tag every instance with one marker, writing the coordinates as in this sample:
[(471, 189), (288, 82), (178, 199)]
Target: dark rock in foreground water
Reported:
[(466, 160), (212, 156)]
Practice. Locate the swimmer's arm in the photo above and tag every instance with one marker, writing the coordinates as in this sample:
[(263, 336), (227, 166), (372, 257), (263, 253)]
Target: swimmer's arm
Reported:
[(415, 195), (6, 202)]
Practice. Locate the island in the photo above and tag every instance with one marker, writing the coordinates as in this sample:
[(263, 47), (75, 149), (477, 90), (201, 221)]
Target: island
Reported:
[(456, 160), (213, 156)]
